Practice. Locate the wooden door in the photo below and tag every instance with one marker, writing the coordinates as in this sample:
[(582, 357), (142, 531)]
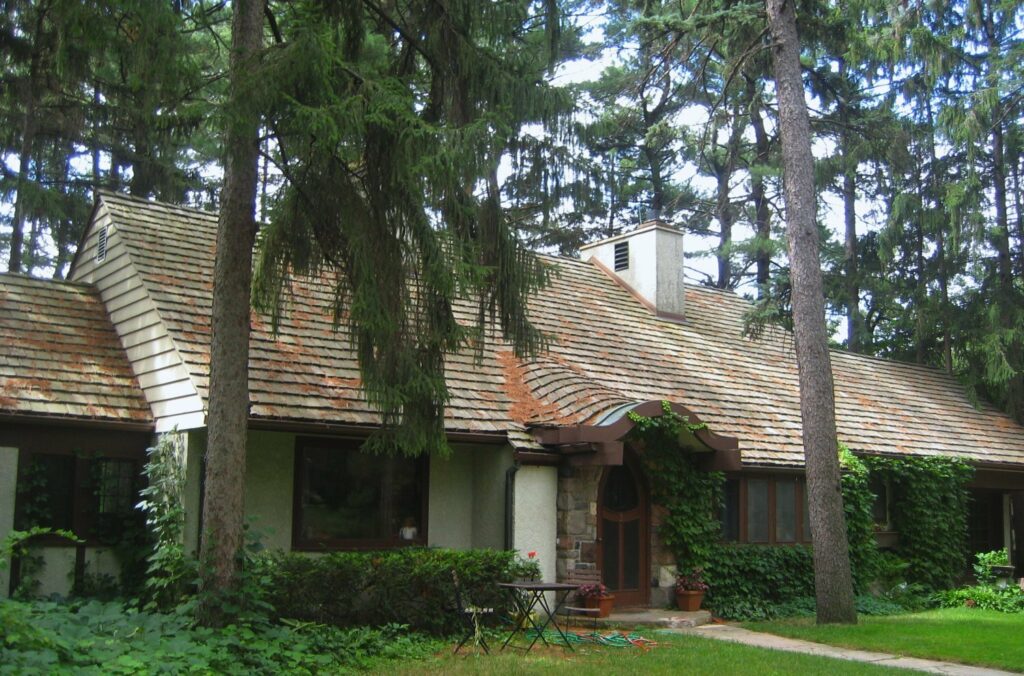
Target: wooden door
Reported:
[(623, 537)]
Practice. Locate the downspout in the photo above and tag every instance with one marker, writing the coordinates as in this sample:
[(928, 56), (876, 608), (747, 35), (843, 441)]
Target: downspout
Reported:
[(510, 503)]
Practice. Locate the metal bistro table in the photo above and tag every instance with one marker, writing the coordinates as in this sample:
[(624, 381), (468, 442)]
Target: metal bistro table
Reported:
[(528, 595)]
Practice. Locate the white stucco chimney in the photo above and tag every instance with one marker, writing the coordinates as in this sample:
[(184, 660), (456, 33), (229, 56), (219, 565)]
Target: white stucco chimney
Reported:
[(649, 261)]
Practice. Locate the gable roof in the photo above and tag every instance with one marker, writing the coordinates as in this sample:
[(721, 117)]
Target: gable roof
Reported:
[(607, 351), (61, 358)]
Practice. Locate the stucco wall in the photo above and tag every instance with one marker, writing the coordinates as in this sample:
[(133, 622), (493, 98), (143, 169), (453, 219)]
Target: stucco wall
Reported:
[(8, 485), (466, 502), (57, 574), (269, 471), (489, 468), (269, 481), (450, 501), (536, 491)]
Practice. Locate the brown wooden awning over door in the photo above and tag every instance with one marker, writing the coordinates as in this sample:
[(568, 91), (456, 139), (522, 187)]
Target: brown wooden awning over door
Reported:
[(602, 443)]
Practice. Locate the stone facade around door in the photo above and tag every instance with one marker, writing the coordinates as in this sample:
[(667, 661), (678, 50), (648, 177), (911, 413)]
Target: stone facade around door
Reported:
[(578, 489)]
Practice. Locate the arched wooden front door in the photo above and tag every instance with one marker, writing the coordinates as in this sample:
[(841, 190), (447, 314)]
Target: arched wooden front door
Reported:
[(622, 532)]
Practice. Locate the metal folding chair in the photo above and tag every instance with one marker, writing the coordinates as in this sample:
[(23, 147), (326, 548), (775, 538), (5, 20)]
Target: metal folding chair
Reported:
[(470, 615), (580, 577)]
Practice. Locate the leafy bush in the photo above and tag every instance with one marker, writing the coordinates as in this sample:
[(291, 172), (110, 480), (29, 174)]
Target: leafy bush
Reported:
[(1009, 599), (108, 638), (985, 562), (411, 586)]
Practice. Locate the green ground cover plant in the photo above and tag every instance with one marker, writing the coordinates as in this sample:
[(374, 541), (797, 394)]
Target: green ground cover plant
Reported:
[(967, 635), (108, 638)]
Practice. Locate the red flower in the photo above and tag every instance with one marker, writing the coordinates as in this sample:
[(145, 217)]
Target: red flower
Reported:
[(531, 555)]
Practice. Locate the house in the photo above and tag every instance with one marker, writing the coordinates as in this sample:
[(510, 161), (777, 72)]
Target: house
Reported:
[(92, 368)]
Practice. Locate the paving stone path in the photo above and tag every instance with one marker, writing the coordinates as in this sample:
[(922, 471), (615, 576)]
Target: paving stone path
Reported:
[(726, 632)]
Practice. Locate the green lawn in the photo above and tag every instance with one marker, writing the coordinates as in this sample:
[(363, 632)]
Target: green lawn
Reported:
[(674, 654), (967, 635)]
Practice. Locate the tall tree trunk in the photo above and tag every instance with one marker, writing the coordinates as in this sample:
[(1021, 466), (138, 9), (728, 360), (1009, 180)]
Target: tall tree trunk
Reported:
[(852, 282), (921, 284), (853, 321), (762, 223), (832, 579), (723, 206), (28, 135), (1007, 301), (229, 354), (941, 253)]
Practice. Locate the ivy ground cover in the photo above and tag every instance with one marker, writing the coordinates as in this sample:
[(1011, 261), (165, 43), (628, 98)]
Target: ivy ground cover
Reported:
[(966, 635)]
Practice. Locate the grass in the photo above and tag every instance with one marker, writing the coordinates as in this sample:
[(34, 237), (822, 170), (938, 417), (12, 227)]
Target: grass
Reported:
[(674, 654), (966, 635)]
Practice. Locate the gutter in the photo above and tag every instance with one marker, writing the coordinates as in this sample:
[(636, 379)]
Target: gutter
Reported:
[(510, 504)]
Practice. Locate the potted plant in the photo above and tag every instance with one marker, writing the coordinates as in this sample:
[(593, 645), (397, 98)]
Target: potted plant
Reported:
[(597, 596), (690, 589)]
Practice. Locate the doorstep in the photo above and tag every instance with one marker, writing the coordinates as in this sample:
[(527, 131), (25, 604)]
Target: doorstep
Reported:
[(653, 617)]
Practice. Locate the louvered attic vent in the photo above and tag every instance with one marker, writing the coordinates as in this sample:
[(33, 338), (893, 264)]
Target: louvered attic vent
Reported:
[(101, 245), (621, 256)]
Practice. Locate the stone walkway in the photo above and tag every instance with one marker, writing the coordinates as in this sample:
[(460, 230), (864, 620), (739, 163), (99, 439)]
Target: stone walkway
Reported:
[(726, 632)]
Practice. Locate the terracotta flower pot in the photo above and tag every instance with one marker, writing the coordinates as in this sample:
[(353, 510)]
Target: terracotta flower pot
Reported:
[(604, 604), (689, 600)]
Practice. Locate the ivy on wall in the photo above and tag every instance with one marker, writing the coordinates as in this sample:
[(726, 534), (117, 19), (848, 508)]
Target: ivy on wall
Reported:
[(865, 561), (928, 502), (691, 529)]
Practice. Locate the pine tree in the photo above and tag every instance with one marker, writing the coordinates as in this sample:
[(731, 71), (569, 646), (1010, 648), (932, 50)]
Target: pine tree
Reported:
[(832, 579)]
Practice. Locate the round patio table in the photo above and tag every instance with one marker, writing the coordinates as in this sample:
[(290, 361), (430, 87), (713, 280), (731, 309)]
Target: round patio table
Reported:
[(528, 595)]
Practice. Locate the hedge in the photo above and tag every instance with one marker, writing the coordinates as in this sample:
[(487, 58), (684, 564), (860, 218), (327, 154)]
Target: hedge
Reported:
[(411, 586)]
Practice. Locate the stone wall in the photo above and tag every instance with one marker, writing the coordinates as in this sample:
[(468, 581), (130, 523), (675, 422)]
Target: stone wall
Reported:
[(577, 531), (577, 519)]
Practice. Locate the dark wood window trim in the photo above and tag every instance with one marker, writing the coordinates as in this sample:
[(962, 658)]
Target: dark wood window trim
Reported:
[(299, 543), (801, 532), (84, 502)]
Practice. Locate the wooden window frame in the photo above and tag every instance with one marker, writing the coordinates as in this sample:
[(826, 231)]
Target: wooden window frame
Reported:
[(801, 538), (84, 500), (302, 444)]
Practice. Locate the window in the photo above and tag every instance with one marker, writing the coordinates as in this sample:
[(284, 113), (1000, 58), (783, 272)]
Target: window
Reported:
[(730, 511), (46, 491), (88, 495), (766, 510), (621, 256), (346, 499), (757, 510)]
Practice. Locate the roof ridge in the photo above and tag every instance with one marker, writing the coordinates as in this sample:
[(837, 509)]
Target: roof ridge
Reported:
[(104, 193)]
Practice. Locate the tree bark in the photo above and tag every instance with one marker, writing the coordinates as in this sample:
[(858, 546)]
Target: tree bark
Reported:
[(229, 355), (762, 222), (28, 135), (853, 330), (832, 579)]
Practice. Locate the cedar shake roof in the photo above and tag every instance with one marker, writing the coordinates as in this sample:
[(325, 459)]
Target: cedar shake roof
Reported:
[(61, 357), (607, 350)]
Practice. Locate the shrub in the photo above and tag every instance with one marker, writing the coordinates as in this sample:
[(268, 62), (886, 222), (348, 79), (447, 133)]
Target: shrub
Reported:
[(411, 586), (985, 562), (1009, 599)]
